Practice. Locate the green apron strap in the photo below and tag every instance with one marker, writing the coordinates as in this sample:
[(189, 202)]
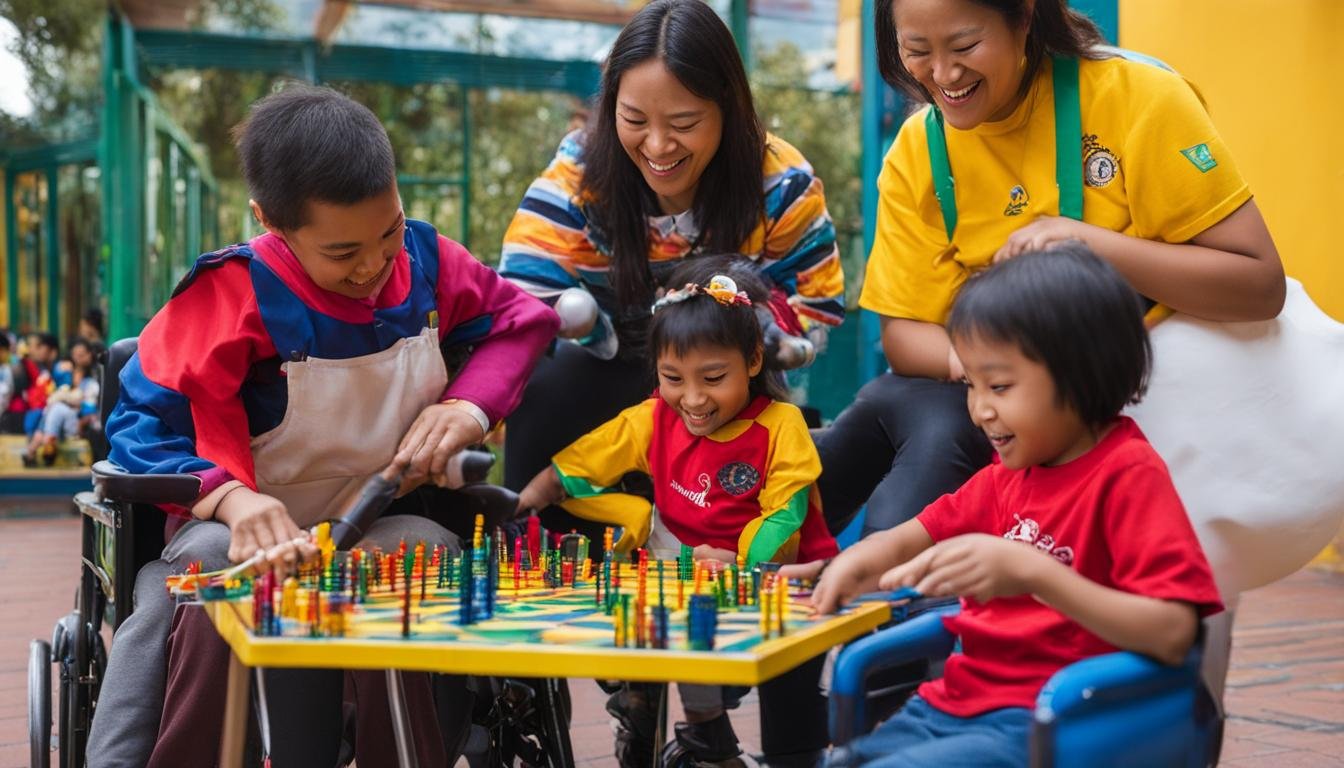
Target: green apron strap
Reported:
[(944, 187), (1068, 138), (1068, 149)]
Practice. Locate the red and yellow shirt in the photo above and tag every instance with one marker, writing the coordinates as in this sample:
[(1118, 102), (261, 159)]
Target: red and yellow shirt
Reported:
[(749, 487)]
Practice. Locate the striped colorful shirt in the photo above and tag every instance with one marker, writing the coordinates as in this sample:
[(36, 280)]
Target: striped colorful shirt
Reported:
[(748, 488), (550, 245)]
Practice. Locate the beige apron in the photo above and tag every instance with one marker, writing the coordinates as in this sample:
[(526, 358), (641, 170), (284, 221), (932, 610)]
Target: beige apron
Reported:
[(343, 423)]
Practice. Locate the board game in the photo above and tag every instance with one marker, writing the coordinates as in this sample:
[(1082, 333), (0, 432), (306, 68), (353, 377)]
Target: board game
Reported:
[(540, 609)]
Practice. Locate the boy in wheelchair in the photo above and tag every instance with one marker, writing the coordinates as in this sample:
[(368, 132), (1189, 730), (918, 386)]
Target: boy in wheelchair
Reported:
[(282, 374), (1071, 544)]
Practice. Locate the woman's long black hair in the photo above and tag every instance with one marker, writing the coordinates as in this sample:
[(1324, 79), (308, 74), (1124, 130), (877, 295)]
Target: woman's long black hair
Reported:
[(703, 321), (1055, 30), (697, 48)]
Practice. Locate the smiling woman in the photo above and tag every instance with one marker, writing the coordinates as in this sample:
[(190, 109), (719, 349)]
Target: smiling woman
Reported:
[(674, 164)]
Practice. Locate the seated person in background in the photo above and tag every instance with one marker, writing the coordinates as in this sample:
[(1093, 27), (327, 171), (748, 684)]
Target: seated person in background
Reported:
[(6, 374), (1072, 543), (72, 408), (284, 372), (33, 379), (733, 470)]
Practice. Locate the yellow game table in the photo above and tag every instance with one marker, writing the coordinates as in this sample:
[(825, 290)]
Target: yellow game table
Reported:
[(751, 666)]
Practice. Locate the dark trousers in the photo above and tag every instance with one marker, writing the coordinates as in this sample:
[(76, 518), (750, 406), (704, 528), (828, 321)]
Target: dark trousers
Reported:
[(305, 708), (569, 394), (900, 445), (793, 712)]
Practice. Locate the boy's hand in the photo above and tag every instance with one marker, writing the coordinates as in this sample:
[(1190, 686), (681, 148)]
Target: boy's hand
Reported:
[(976, 565), (706, 552), (841, 583), (440, 431), (257, 523), (541, 492)]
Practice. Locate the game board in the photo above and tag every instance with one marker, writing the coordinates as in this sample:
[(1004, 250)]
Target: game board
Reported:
[(536, 623), (543, 632)]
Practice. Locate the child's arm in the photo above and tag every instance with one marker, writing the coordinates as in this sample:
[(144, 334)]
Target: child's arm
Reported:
[(857, 569), (507, 331), (984, 567), (792, 466), (179, 410), (542, 491)]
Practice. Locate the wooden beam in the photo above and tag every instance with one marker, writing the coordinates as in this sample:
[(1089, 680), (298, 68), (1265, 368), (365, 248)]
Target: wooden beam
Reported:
[(160, 14), (329, 19), (616, 12)]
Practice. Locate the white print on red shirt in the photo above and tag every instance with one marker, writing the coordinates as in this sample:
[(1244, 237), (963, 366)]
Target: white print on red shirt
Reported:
[(697, 497), (1029, 531)]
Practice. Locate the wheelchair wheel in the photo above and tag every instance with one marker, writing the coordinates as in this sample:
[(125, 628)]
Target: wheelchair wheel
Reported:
[(39, 704)]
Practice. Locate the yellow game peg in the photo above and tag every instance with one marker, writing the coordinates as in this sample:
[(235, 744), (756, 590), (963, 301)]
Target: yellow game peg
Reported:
[(476, 535), (289, 595)]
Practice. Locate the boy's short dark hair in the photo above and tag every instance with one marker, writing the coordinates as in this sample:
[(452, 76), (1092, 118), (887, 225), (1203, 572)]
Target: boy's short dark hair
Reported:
[(4, 339), (312, 143), (1073, 313)]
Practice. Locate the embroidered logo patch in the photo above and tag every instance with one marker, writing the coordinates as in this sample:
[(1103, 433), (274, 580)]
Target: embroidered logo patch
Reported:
[(1017, 201), (738, 478), (1200, 156), (1099, 163)]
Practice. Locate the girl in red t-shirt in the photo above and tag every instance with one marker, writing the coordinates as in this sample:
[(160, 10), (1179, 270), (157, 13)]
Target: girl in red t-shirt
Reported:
[(734, 472), (1071, 544)]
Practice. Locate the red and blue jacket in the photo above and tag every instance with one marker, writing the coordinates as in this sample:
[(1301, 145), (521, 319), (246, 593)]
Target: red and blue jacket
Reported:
[(207, 376)]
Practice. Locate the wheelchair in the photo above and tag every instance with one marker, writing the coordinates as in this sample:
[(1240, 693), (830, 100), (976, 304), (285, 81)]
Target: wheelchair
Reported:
[(123, 529), (1116, 709)]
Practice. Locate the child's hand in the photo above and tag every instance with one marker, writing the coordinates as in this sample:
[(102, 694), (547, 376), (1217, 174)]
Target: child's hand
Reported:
[(975, 565), (706, 552), (543, 491), (258, 522), (440, 431), (803, 571), (842, 582)]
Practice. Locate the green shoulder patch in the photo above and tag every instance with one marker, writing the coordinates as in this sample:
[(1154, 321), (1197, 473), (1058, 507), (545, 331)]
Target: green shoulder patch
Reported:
[(1200, 156)]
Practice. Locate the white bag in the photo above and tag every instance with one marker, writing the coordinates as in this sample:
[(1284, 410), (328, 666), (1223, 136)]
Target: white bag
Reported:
[(1249, 417)]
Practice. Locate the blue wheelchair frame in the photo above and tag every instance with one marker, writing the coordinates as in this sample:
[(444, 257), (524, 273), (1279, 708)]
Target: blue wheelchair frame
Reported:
[(1115, 709)]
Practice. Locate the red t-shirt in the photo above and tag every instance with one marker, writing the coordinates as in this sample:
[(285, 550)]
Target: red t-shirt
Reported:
[(1112, 514)]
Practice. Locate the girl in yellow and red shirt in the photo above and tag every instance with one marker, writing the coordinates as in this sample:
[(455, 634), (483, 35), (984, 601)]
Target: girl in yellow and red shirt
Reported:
[(734, 472)]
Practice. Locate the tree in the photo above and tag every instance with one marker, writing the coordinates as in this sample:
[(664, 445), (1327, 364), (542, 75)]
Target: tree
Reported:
[(60, 43), (823, 125)]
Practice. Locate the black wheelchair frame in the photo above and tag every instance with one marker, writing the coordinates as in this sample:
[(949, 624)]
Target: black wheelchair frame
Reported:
[(121, 530)]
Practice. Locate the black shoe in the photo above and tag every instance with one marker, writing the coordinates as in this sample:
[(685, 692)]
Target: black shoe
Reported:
[(711, 744), (636, 721)]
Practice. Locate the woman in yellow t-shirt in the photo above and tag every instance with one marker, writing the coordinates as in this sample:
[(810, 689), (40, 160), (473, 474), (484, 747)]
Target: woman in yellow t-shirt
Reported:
[(1142, 178)]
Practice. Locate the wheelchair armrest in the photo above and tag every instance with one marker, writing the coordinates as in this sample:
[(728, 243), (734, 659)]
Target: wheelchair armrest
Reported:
[(113, 483), (1119, 703), (923, 637)]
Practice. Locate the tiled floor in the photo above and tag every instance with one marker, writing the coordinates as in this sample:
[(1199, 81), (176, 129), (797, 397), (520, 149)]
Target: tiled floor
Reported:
[(1285, 691)]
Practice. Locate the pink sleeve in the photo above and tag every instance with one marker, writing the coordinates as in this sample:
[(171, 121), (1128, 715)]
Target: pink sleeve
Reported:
[(969, 509), (519, 328)]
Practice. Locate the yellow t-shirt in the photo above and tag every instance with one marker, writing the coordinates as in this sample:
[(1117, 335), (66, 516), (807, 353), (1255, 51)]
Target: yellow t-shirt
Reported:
[(1154, 167)]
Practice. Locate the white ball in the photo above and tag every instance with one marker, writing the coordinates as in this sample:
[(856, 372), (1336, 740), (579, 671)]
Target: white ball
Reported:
[(578, 312)]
